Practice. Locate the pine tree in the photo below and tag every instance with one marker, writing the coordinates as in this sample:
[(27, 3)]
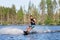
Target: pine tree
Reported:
[(20, 16), (43, 6), (49, 11)]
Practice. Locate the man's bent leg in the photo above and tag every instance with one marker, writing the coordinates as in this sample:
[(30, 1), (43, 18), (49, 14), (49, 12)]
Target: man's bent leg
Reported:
[(29, 29)]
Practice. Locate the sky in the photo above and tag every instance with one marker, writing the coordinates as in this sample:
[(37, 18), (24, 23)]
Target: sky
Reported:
[(19, 3)]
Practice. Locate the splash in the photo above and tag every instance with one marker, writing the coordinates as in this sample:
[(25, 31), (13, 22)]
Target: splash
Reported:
[(9, 30)]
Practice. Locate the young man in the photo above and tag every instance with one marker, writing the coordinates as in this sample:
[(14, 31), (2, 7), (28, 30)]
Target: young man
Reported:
[(32, 24)]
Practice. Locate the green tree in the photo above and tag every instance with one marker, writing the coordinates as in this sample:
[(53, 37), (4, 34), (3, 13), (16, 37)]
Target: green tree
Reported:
[(54, 3), (59, 2), (49, 10), (13, 14), (5, 15), (43, 6), (20, 16), (1, 20), (59, 13), (48, 21)]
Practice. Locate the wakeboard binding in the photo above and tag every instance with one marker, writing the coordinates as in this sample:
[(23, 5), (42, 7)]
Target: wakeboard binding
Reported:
[(26, 32)]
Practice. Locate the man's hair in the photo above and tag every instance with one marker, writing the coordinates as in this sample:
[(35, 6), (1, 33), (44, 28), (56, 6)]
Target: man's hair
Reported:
[(30, 15)]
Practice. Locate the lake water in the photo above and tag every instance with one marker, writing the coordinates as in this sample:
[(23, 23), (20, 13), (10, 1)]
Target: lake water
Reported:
[(14, 32)]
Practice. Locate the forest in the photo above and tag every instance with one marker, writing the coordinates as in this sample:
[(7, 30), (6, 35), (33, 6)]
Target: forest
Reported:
[(45, 14)]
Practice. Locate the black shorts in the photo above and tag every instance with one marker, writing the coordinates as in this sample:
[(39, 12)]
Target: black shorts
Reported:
[(32, 26)]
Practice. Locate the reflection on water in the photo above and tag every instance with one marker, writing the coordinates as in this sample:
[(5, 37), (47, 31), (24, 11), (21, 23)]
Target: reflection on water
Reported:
[(34, 36)]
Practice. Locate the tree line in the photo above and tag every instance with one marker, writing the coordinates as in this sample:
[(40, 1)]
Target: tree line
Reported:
[(45, 14)]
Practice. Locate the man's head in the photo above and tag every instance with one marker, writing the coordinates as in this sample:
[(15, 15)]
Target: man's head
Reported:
[(31, 16)]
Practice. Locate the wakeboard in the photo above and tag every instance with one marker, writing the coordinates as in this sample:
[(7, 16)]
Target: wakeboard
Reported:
[(26, 32)]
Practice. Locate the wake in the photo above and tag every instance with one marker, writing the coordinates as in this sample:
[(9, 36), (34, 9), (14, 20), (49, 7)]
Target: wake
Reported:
[(9, 30)]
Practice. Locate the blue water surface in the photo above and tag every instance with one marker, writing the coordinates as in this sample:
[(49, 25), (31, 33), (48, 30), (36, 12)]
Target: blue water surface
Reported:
[(34, 36)]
